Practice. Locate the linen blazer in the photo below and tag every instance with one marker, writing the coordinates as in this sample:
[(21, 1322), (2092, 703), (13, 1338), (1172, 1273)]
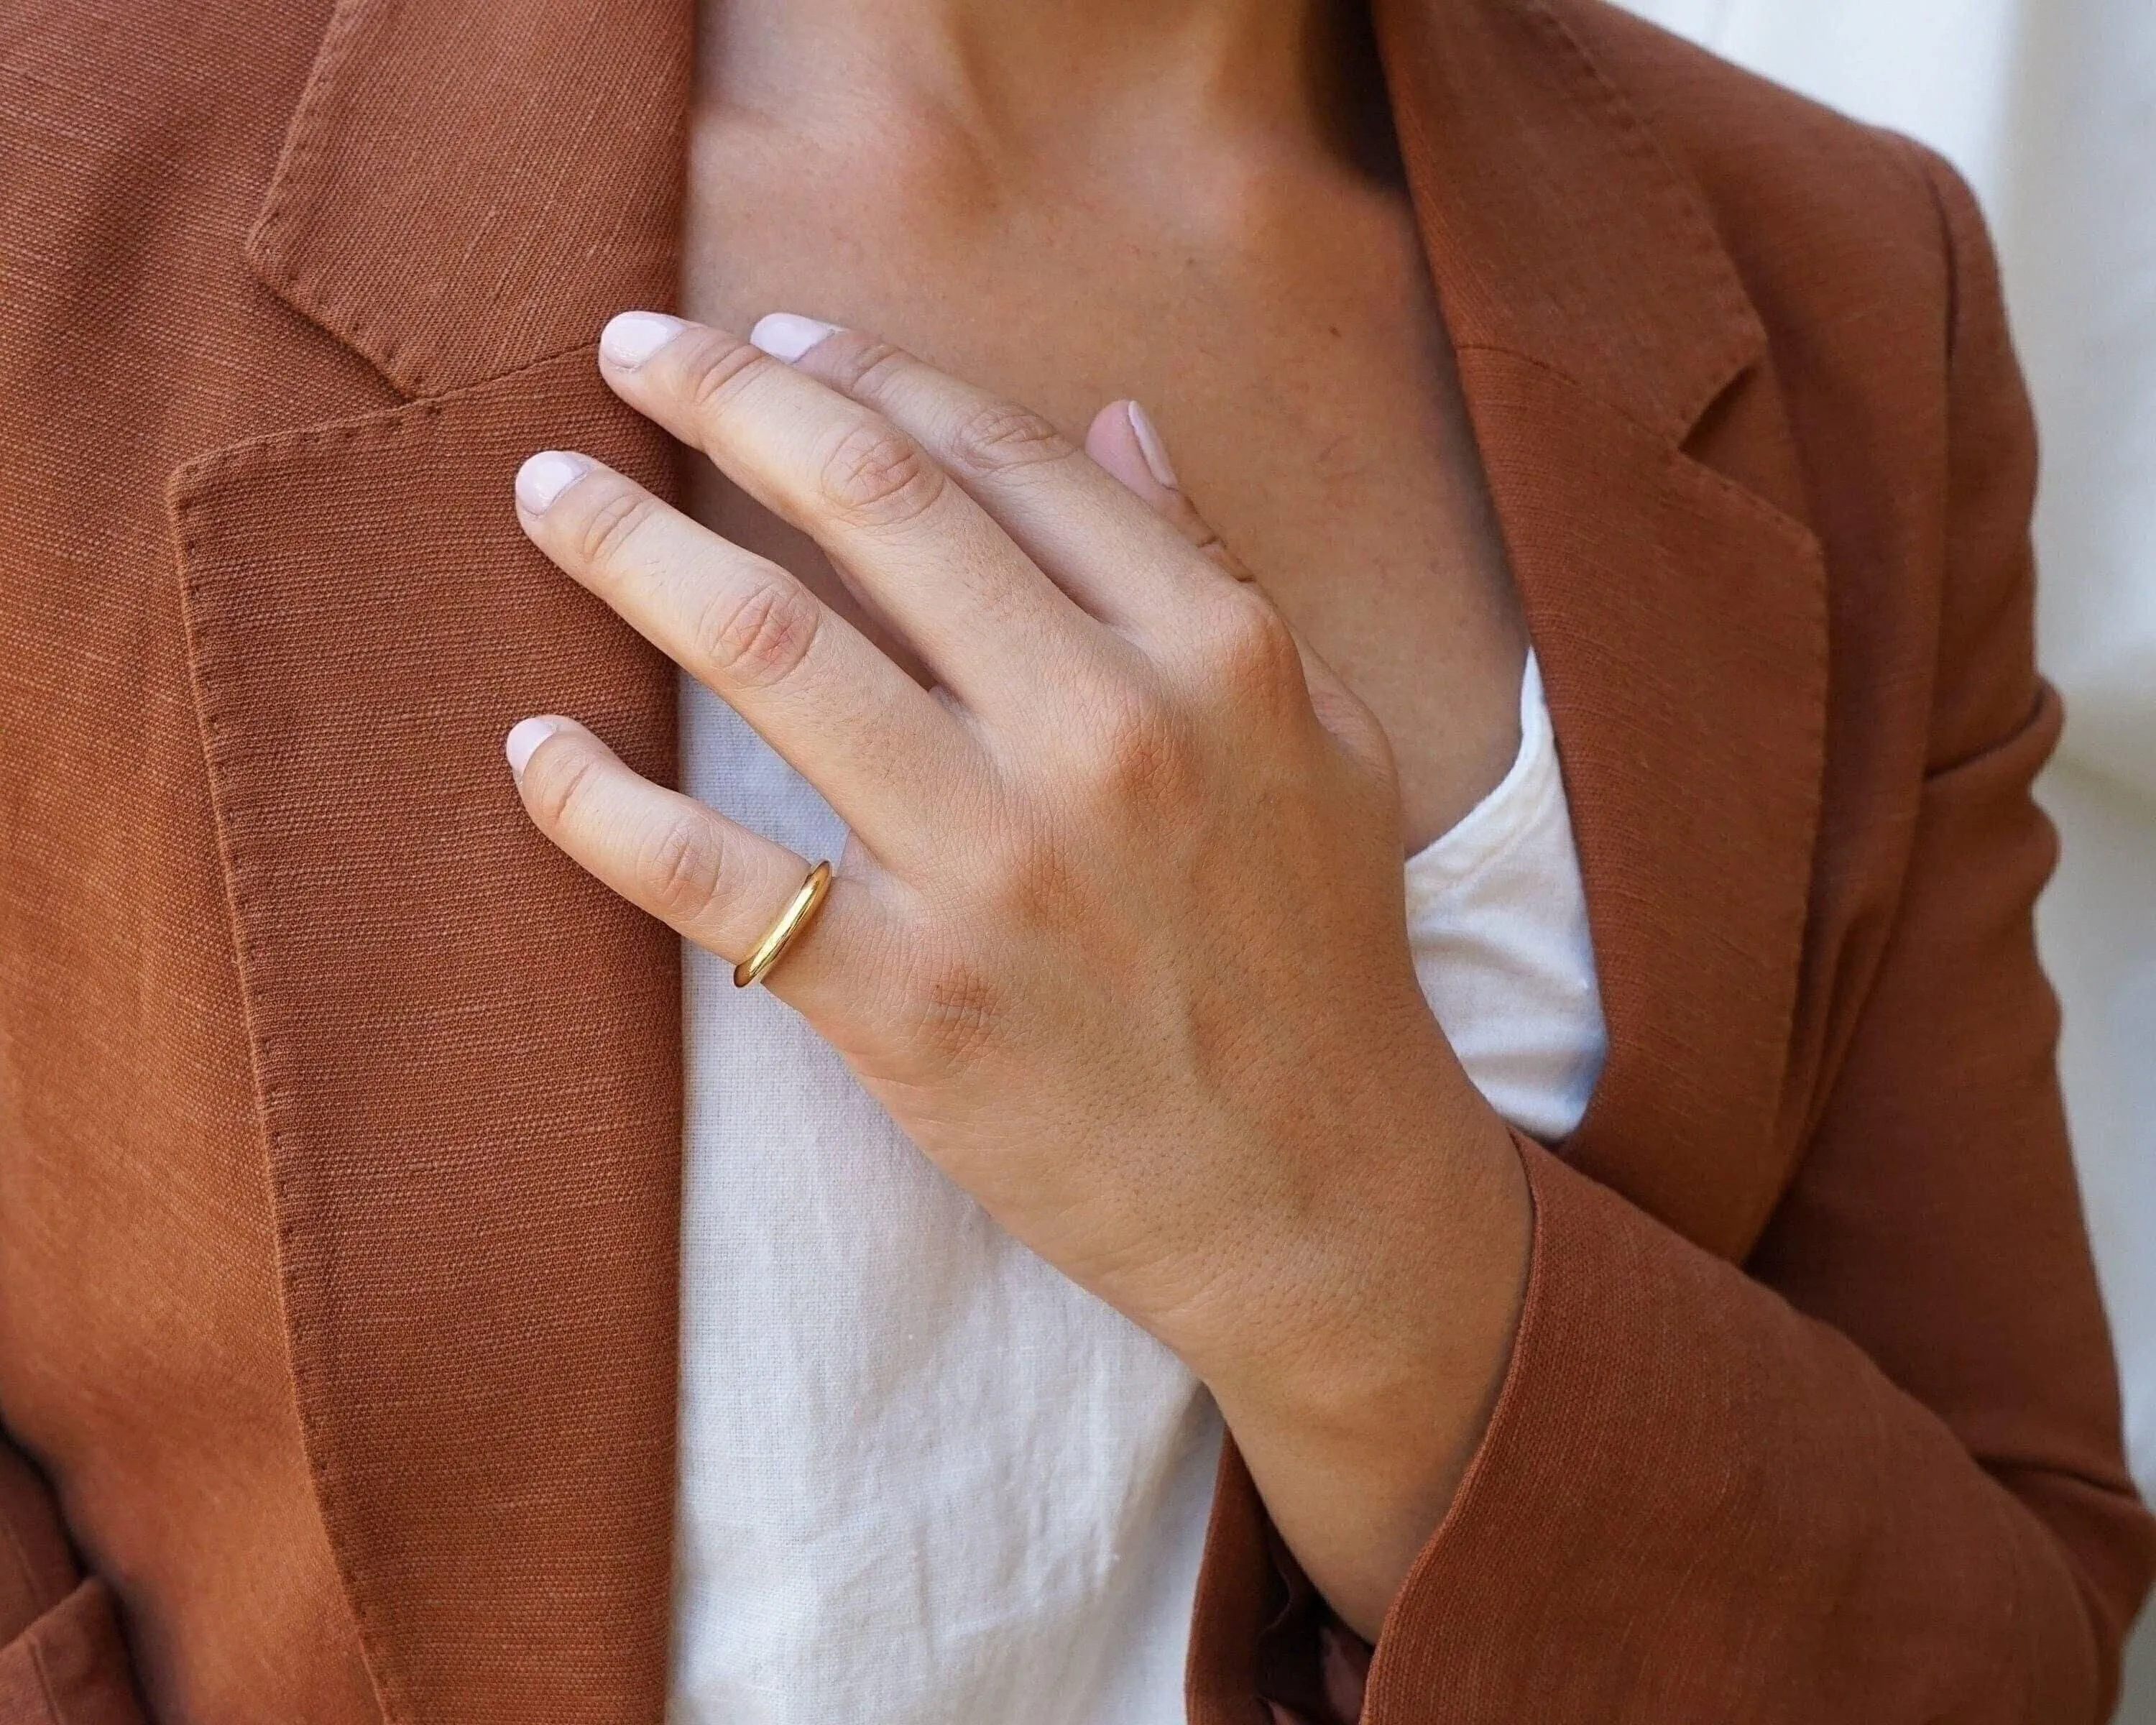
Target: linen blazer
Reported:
[(339, 1116)]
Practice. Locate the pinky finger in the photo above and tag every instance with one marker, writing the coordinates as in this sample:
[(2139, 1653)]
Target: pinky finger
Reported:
[(709, 879)]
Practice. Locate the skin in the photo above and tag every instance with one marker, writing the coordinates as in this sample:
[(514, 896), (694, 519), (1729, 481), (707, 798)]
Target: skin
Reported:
[(1119, 938), (1192, 202)]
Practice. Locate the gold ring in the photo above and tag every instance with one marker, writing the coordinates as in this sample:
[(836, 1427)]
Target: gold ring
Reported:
[(800, 910)]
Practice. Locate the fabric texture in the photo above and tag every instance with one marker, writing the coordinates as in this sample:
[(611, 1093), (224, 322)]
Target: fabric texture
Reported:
[(885, 1551), (2044, 105), (341, 1116)]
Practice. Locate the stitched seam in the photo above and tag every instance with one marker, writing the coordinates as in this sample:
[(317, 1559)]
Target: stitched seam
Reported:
[(44, 1681), (410, 371), (262, 1057), (297, 165), (375, 425), (1674, 185), (235, 821), (1639, 141), (1673, 189), (1790, 931), (185, 494), (1659, 433), (1685, 470), (302, 147), (1790, 527)]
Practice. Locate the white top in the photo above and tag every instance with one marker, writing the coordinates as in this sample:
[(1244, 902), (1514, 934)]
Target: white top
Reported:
[(924, 1479)]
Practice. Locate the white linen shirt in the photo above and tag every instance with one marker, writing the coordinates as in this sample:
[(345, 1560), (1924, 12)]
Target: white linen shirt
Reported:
[(925, 1479)]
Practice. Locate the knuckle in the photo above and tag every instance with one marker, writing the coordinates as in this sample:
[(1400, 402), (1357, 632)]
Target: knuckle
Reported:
[(1029, 881), (712, 369), (1249, 650), (1143, 753), (1001, 437), (867, 366), (876, 476), (601, 536), (756, 639), (556, 783), (683, 866)]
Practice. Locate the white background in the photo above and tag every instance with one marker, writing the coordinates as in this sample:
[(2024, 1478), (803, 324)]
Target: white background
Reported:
[(2049, 106)]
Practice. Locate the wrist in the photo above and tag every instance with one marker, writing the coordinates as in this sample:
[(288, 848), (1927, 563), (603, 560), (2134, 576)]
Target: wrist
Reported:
[(1399, 1267), (1359, 1405)]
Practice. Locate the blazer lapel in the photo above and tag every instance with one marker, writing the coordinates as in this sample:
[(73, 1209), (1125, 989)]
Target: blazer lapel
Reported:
[(467, 1051), (1606, 349), (1679, 612)]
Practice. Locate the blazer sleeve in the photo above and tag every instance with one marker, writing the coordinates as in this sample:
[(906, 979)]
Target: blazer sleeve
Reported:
[(1876, 1472), (62, 1660)]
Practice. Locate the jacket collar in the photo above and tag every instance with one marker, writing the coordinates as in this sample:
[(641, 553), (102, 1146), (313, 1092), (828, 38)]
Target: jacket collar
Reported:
[(468, 188), (1558, 227)]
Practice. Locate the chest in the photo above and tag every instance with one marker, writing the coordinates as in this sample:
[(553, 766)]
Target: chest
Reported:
[(1295, 358)]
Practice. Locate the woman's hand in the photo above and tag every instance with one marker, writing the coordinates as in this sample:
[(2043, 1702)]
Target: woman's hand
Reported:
[(1119, 937)]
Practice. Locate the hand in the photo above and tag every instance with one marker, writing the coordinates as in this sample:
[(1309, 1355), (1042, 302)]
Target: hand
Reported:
[(1119, 935)]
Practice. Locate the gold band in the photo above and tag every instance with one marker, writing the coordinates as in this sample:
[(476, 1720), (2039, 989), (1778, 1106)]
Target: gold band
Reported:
[(800, 910)]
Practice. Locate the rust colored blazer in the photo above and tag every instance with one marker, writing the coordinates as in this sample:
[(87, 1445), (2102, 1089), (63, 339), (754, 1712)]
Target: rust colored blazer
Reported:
[(339, 1116)]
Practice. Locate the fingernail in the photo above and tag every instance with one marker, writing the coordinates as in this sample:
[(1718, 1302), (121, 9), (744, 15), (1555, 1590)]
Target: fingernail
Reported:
[(631, 337), (524, 736), (787, 335), (545, 476), (1150, 446)]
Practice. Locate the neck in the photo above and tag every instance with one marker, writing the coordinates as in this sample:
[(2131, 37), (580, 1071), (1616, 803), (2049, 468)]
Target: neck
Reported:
[(1043, 78)]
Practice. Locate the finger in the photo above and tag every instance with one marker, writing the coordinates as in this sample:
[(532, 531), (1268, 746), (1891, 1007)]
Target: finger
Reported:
[(709, 879), (1068, 515), (847, 718), (1123, 441), (923, 552)]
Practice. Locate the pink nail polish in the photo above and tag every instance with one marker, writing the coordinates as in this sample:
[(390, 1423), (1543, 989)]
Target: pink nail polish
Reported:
[(1150, 446), (631, 337), (787, 335), (545, 476), (525, 736)]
